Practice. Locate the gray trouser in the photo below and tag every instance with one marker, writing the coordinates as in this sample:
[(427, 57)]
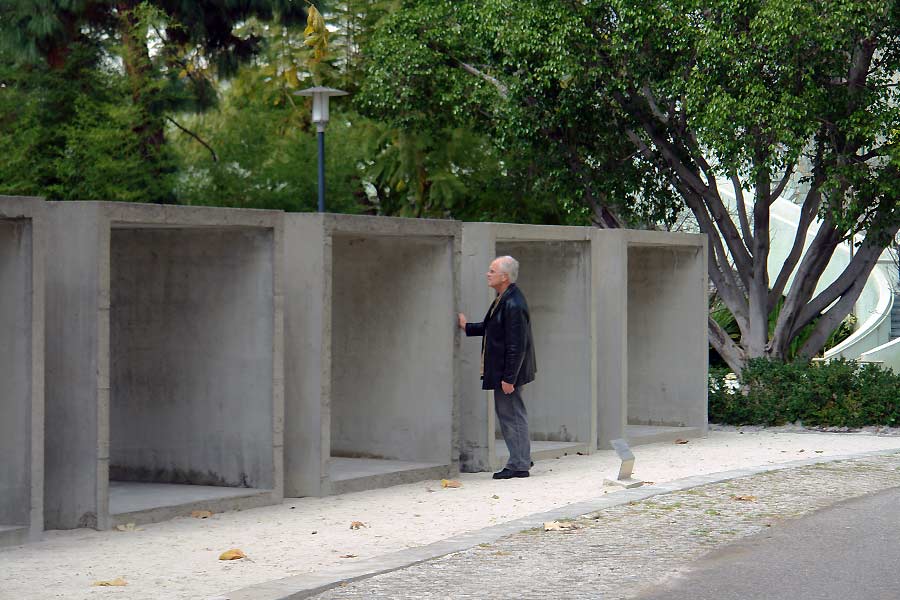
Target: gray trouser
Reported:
[(514, 426)]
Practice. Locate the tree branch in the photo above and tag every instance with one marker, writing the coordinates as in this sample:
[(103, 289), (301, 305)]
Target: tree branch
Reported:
[(502, 89), (807, 214), (730, 352), (195, 136), (741, 209), (782, 184)]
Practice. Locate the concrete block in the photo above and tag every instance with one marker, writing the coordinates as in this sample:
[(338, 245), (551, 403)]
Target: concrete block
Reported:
[(22, 238), (556, 276), (653, 336), (370, 351), (163, 361)]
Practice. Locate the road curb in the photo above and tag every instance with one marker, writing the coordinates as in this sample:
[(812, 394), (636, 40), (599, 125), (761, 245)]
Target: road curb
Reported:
[(311, 584)]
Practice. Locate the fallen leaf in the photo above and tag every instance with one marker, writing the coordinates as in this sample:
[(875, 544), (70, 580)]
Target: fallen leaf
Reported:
[(495, 497), (801, 450), (502, 553), (128, 527), (819, 451), (357, 525), (744, 498), (314, 533), (450, 483), (348, 556), (201, 514), (117, 582), (681, 441), (559, 526), (233, 554)]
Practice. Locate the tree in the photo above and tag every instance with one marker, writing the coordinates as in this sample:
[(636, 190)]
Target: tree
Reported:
[(658, 102), (166, 50)]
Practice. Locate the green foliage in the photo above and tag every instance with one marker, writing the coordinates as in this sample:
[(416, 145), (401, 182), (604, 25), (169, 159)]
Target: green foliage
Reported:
[(66, 134), (838, 393)]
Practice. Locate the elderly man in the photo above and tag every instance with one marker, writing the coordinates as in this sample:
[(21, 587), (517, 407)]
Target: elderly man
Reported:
[(507, 361)]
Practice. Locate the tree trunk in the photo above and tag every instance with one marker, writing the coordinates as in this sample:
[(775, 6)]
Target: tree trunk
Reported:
[(149, 129)]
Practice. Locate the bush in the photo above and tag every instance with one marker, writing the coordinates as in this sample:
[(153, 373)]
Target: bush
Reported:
[(839, 393)]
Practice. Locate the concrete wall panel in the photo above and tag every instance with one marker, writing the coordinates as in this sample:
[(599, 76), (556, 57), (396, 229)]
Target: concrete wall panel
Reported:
[(392, 327), (21, 369), (191, 356), (667, 347), (75, 476)]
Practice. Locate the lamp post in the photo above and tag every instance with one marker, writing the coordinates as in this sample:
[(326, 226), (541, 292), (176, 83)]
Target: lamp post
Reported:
[(320, 96)]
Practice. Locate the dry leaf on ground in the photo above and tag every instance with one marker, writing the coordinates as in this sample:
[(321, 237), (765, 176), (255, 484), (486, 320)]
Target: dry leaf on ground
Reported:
[(681, 441), (495, 497), (233, 554), (128, 527), (744, 498), (560, 526), (357, 525), (450, 483), (201, 514), (348, 556), (117, 582)]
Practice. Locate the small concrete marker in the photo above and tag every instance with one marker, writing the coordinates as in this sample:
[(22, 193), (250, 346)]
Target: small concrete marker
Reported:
[(623, 479)]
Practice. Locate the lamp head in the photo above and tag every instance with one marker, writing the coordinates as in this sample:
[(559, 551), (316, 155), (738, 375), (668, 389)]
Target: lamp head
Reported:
[(320, 96)]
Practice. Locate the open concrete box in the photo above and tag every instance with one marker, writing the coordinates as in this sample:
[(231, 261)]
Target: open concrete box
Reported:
[(652, 336), (370, 351), (164, 381), (556, 276), (21, 369)]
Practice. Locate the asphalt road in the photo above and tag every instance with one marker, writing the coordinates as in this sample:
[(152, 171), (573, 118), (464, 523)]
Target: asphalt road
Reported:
[(849, 551)]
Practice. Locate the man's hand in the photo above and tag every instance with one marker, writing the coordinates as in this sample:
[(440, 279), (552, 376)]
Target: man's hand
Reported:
[(508, 388), (462, 321)]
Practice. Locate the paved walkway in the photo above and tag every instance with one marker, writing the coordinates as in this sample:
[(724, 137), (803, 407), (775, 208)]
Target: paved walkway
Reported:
[(623, 550), (848, 550)]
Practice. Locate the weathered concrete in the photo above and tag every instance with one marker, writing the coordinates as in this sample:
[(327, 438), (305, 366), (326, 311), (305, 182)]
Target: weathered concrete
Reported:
[(653, 374), (557, 278), (21, 369), (370, 351), (165, 358)]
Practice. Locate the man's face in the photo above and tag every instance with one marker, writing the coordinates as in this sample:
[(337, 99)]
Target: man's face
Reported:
[(495, 277)]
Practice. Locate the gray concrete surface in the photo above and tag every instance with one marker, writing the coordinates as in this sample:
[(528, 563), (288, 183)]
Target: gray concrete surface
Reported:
[(652, 334), (165, 356), (849, 550), (556, 276), (21, 369), (371, 351)]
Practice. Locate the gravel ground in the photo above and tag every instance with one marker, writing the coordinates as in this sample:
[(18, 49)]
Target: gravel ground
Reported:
[(616, 553)]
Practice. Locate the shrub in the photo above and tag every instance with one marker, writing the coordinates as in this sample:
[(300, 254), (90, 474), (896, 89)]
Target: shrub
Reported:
[(840, 393)]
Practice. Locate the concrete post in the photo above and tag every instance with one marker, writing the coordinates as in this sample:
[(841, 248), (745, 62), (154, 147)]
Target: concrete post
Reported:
[(22, 250)]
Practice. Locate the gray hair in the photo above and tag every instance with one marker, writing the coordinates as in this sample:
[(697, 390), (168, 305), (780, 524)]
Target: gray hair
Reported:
[(510, 266)]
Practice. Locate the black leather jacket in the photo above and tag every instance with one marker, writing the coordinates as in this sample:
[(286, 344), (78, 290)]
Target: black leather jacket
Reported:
[(508, 344)]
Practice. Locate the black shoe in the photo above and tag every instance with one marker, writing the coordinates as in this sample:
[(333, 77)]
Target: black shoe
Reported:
[(509, 474)]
